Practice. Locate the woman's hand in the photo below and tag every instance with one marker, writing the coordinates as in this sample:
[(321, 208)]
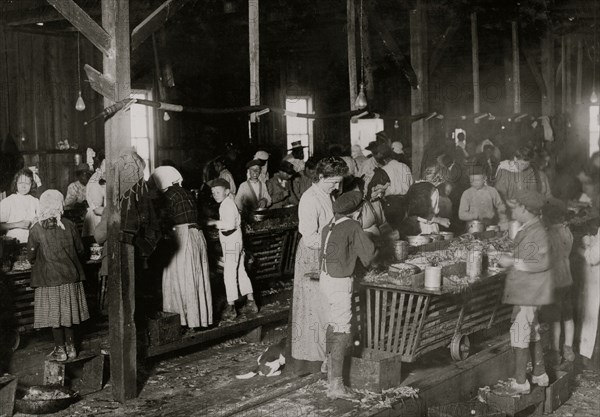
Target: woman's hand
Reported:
[(98, 211), (441, 221), (506, 260)]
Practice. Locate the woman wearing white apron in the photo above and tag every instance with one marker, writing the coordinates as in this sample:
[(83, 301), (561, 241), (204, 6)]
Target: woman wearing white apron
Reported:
[(95, 195), (590, 293)]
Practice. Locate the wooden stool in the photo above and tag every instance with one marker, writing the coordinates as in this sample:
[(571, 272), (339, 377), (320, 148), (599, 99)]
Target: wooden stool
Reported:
[(8, 388), (531, 404), (83, 374), (558, 392)]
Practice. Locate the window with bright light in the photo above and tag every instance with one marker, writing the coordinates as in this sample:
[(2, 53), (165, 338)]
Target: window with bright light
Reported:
[(142, 137), (299, 128), (594, 128)]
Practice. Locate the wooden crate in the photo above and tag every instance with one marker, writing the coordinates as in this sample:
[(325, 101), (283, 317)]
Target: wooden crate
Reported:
[(83, 374), (558, 392), (523, 405), (374, 370), (164, 328)]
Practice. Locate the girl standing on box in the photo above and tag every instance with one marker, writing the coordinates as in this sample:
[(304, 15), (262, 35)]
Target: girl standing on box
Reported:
[(54, 250), (18, 210)]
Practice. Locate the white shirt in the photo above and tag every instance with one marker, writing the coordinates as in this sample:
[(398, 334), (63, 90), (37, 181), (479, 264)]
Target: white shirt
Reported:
[(400, 178), (17, 208)]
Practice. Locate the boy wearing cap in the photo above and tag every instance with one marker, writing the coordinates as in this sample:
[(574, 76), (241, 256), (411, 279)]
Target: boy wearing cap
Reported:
[(253, 193), (481, 202), (230, 237), (280, 186), (529, 285), (343, 243)]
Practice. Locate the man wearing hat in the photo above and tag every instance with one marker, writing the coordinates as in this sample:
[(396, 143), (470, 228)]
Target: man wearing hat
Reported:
[(253, 193), (482, 202), (76, 190), (230, 237), (343, 243), (296, 156), (280, 186), (529, 285)]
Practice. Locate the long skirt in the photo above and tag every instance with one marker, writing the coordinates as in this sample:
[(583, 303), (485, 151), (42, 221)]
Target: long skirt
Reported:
[(589, 304), (62, 305), (309, 312), (186, 283)]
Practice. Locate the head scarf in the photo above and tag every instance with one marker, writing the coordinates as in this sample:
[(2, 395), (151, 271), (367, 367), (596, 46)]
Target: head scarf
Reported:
[(130, 173), (166, 176), (51, 206)]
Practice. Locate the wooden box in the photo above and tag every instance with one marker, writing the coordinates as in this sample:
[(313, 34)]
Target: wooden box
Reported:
[(164, 328), (8, 388), (523, 405), (557, 392), (83, 374), (374, 370), (466, 409)]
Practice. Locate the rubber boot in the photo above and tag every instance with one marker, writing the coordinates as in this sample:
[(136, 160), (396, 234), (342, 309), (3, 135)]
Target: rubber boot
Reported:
[(336, 389), (328, 343)]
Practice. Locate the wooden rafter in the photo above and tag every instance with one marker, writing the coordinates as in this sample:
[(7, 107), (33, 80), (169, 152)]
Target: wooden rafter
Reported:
[(438, 52), (100, 83), (535, 70), (86, 25), (394, 48), (155, 21)]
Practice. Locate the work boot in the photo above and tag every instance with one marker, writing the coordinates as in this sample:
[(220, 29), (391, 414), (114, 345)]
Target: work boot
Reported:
[(229, 313), (514, 389), (554, 359), (249, 308), (58, 354), (71, 352), (336, 388), (540, 380)]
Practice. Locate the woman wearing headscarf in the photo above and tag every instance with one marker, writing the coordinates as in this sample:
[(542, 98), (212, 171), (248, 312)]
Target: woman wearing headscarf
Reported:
[(308, 322), (252, 194), (186, 283), (517, 174), (264, 169), (95, 195), (54, 250)]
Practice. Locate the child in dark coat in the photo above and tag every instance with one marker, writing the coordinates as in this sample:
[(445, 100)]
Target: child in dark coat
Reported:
[(54, 250), (529, 285), (561, 312), (343, 243)]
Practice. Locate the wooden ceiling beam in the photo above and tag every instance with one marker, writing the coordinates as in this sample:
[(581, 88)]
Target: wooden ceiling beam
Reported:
[(155, 21), (86, 25)]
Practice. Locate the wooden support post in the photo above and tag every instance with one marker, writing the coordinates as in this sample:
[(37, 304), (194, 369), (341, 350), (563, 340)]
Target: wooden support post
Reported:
[(548, 73), (475, 59), (351, 29), (516, 69), (579, 72), (254, 55), (569, 73), (508, 75), (563, 75), (366, 51), (419, 96), (121, 281)]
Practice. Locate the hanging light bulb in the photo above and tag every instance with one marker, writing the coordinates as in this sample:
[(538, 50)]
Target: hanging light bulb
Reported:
[(361, 99), (594, 97), (166, 117), (80, 104)]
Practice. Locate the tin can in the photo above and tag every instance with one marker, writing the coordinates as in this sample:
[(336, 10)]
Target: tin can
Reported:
[(474, 263)]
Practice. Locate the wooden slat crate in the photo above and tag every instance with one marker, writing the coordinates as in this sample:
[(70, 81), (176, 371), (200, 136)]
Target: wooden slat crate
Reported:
[(411, 322), (23, 296)]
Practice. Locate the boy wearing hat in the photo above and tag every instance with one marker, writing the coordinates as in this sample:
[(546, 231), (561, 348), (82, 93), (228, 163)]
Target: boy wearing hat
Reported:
[(253, 193), (481, 202), (343, 243), (280, 186), (529, 285), (296, 156), (230, 237), (76, 190)]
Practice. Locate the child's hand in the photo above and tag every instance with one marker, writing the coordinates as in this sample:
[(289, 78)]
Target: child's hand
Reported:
[(441, 221), (211, 222)]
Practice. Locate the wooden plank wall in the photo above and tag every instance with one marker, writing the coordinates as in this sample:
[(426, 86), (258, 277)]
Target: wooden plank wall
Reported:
[(38, 91)]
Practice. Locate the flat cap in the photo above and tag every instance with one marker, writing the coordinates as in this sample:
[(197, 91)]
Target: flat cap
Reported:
[(254, 162), (219, 182), (348, 202)]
